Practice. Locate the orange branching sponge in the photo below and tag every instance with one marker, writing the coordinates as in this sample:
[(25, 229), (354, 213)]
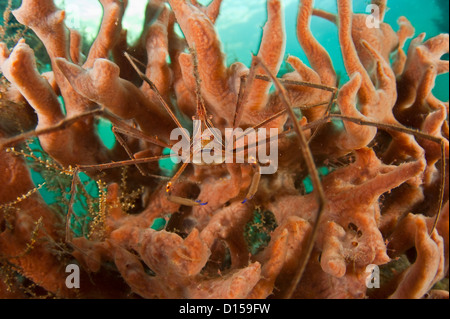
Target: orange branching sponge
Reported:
[(29, 229), (382, 137), (71, 146)]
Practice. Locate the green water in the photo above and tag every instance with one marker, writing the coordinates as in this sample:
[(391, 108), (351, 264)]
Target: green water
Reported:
[(240, 28)]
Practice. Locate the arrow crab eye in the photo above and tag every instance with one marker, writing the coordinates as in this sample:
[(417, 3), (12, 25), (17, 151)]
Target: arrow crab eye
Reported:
[(252, 160)]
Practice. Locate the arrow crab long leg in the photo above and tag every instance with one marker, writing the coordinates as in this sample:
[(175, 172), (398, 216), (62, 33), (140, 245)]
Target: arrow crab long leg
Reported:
[(307, 156)]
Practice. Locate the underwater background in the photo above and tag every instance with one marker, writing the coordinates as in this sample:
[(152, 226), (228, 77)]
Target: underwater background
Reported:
[(240, 26)]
